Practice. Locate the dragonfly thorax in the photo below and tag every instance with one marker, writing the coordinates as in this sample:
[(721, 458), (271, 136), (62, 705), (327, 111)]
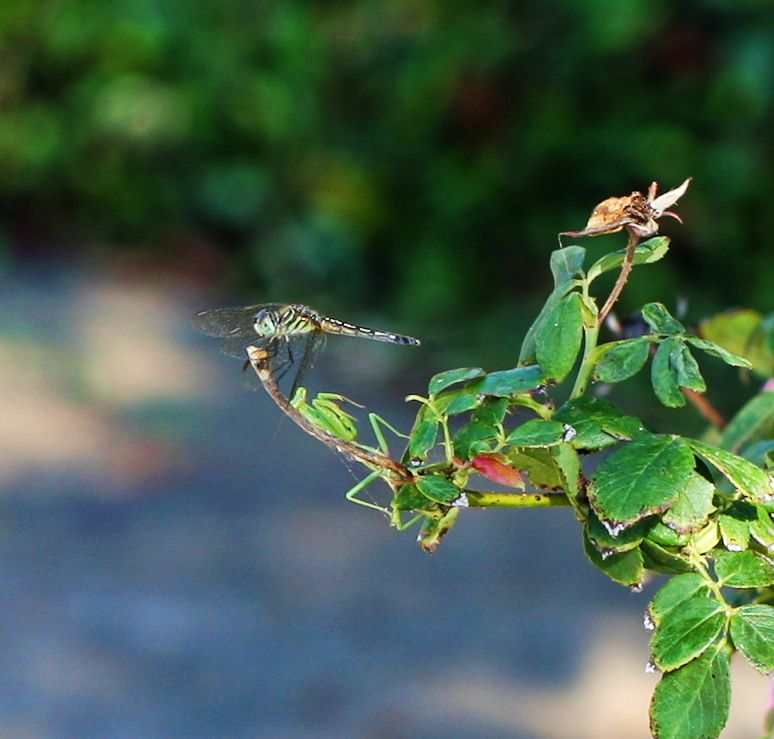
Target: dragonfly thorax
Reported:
[(292, 320)]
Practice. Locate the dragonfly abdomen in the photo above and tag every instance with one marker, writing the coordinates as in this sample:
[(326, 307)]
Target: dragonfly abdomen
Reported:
[(334, 326)]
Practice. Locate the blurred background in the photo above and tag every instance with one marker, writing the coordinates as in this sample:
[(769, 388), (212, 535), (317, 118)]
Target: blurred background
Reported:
[(177, 561)]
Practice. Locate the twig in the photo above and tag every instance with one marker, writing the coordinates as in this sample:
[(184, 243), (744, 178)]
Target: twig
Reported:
[(623, 276), (259, 361), (712, 414)]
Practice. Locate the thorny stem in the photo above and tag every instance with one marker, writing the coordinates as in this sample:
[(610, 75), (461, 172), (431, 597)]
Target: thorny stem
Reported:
[(706, 408), (259, 361), (623, 276)]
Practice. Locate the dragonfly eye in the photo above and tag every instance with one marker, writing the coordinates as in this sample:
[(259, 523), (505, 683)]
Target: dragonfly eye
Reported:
[(264, 324)]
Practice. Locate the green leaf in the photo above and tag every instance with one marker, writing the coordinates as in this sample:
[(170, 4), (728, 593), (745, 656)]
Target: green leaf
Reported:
[(540, 465), (707, 539), (509, 382), (408, 498), (658, 559), (645, 253), (692, 507), (684, 633), (743, 569), (663, 374), (538, 432), (744, 475), (754, 421), (641, 478), (473, 439), (451, 377), (667, 537), (423, 437), (438, 489), (459, 400), (623, 541), (559, 338), (676, 592), (622, 360), (762, 529), (491, 411), (598, 424), (624, 568), (568, 462), (752, 629), (660, 320), (688, 372), (734, 532), (692, 702), (718, 351), (566, 266)]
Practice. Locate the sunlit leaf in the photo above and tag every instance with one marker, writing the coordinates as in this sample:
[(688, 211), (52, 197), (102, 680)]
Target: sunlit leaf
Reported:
[(752, 629), (685, 632), (743, 569), (692, 506), (692, 702), (676, 592), (641, 478)]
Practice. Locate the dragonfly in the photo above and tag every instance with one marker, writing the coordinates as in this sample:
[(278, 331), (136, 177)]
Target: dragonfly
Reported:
[(291, 334)]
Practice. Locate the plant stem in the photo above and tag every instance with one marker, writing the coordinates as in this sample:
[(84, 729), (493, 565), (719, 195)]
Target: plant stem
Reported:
[(623, 276), (517, 500), (584, 373)]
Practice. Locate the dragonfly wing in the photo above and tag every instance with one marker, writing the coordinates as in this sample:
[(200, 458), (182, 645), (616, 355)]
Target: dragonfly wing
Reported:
[(237, 347), (230, 322), (304, 353)]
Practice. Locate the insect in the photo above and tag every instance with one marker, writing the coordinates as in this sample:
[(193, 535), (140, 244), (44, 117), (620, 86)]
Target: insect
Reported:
[(291, 334), (637, 213)]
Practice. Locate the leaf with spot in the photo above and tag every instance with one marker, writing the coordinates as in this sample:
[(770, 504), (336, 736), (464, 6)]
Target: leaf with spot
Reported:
[(752, 629), (625, 568), (660, 320), (537, 433), (474, 438), (621, 360), (566, 267), (718, 351), (743, 569), (684, 633), (693, 505), (692, 702), (645, 253), (598, 423), (423, 437), (744, 475), (559, 338), (641, 478), (677, 591), (664, 376), (438, 489), (443, 380)]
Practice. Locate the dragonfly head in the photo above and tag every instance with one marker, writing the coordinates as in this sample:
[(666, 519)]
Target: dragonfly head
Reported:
[(265, 323)]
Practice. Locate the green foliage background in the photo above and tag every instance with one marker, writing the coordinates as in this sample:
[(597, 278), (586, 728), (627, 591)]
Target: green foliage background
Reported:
[(417, 157)]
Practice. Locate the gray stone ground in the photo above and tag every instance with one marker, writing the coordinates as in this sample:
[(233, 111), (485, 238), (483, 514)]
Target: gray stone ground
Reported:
[(177, 562)]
